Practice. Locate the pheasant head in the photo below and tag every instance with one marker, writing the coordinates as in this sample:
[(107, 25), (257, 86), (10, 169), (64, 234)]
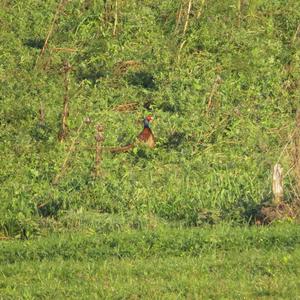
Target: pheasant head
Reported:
[(147, 121)]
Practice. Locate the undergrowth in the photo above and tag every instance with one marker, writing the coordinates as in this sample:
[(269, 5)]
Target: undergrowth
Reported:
[(222, 84)]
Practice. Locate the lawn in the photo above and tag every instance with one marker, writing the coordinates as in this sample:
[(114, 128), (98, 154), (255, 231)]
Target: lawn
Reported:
[(219, 262)]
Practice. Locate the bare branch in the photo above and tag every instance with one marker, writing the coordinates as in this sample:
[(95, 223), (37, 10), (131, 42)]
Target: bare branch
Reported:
[(70, 151), (178, 18), (213, 91), (59, 9), (187, 17), (64, 127), (295, 36), (116, 18)]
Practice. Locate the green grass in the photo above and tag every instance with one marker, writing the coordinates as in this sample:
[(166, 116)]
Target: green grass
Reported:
[(142, 229), (210, 164), (219, 262)]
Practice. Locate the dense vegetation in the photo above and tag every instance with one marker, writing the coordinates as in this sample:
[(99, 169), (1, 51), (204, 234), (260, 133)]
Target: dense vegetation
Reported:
[(221, 79), (223, 86)]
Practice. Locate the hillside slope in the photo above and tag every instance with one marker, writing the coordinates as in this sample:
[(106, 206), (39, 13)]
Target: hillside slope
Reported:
[(221, 80)]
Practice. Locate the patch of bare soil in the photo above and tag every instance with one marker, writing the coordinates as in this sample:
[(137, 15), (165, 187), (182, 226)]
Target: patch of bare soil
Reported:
[(274, 212)]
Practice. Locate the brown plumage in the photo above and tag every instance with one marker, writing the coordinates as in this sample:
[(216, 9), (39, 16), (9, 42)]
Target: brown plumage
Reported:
[(146, 136)]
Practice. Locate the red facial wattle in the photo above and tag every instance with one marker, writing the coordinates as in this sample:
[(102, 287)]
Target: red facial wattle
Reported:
[(149, 118)]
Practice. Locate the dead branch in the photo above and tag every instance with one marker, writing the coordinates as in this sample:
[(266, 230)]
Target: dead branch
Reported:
[(42, 115), (70, 151), (179, 50), (65, 49), (199, 13), (99, 137), (126, 107), (213, 91), (59, 9), (239, 11), (295, 36), (187, 17), (64, 126), (116, 18), (296, 152), (123, 66), (178, 18)]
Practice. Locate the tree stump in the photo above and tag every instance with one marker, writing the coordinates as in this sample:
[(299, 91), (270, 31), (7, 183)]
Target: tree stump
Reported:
[(277, 185)]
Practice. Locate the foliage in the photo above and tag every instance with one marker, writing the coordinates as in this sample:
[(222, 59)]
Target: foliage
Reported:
[(212, 163)]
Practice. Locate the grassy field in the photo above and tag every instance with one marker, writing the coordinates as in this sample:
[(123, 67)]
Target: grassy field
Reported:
[(221, 79), (218, 262), (223, 89)]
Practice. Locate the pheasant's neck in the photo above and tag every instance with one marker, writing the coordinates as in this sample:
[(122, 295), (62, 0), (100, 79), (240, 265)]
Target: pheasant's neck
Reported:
[(146, 124), (147, 129)]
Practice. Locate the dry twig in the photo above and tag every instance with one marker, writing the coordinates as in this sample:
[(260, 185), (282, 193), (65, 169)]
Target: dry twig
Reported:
[(70, 151), (296, 152), (239, 11), (126, 107), (59, 9), (64, 49), (213, 91), (178, 18), (116, 18), (123, 66), (99, 137), (295, 36), (199, 13), (187, 17), (64, 126)]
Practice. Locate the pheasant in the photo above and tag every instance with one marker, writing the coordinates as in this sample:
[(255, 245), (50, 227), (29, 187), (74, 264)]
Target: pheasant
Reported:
[(146, 136)]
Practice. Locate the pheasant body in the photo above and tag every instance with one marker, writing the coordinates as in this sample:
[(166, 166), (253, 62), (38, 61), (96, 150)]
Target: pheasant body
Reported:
[(146, 136)]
